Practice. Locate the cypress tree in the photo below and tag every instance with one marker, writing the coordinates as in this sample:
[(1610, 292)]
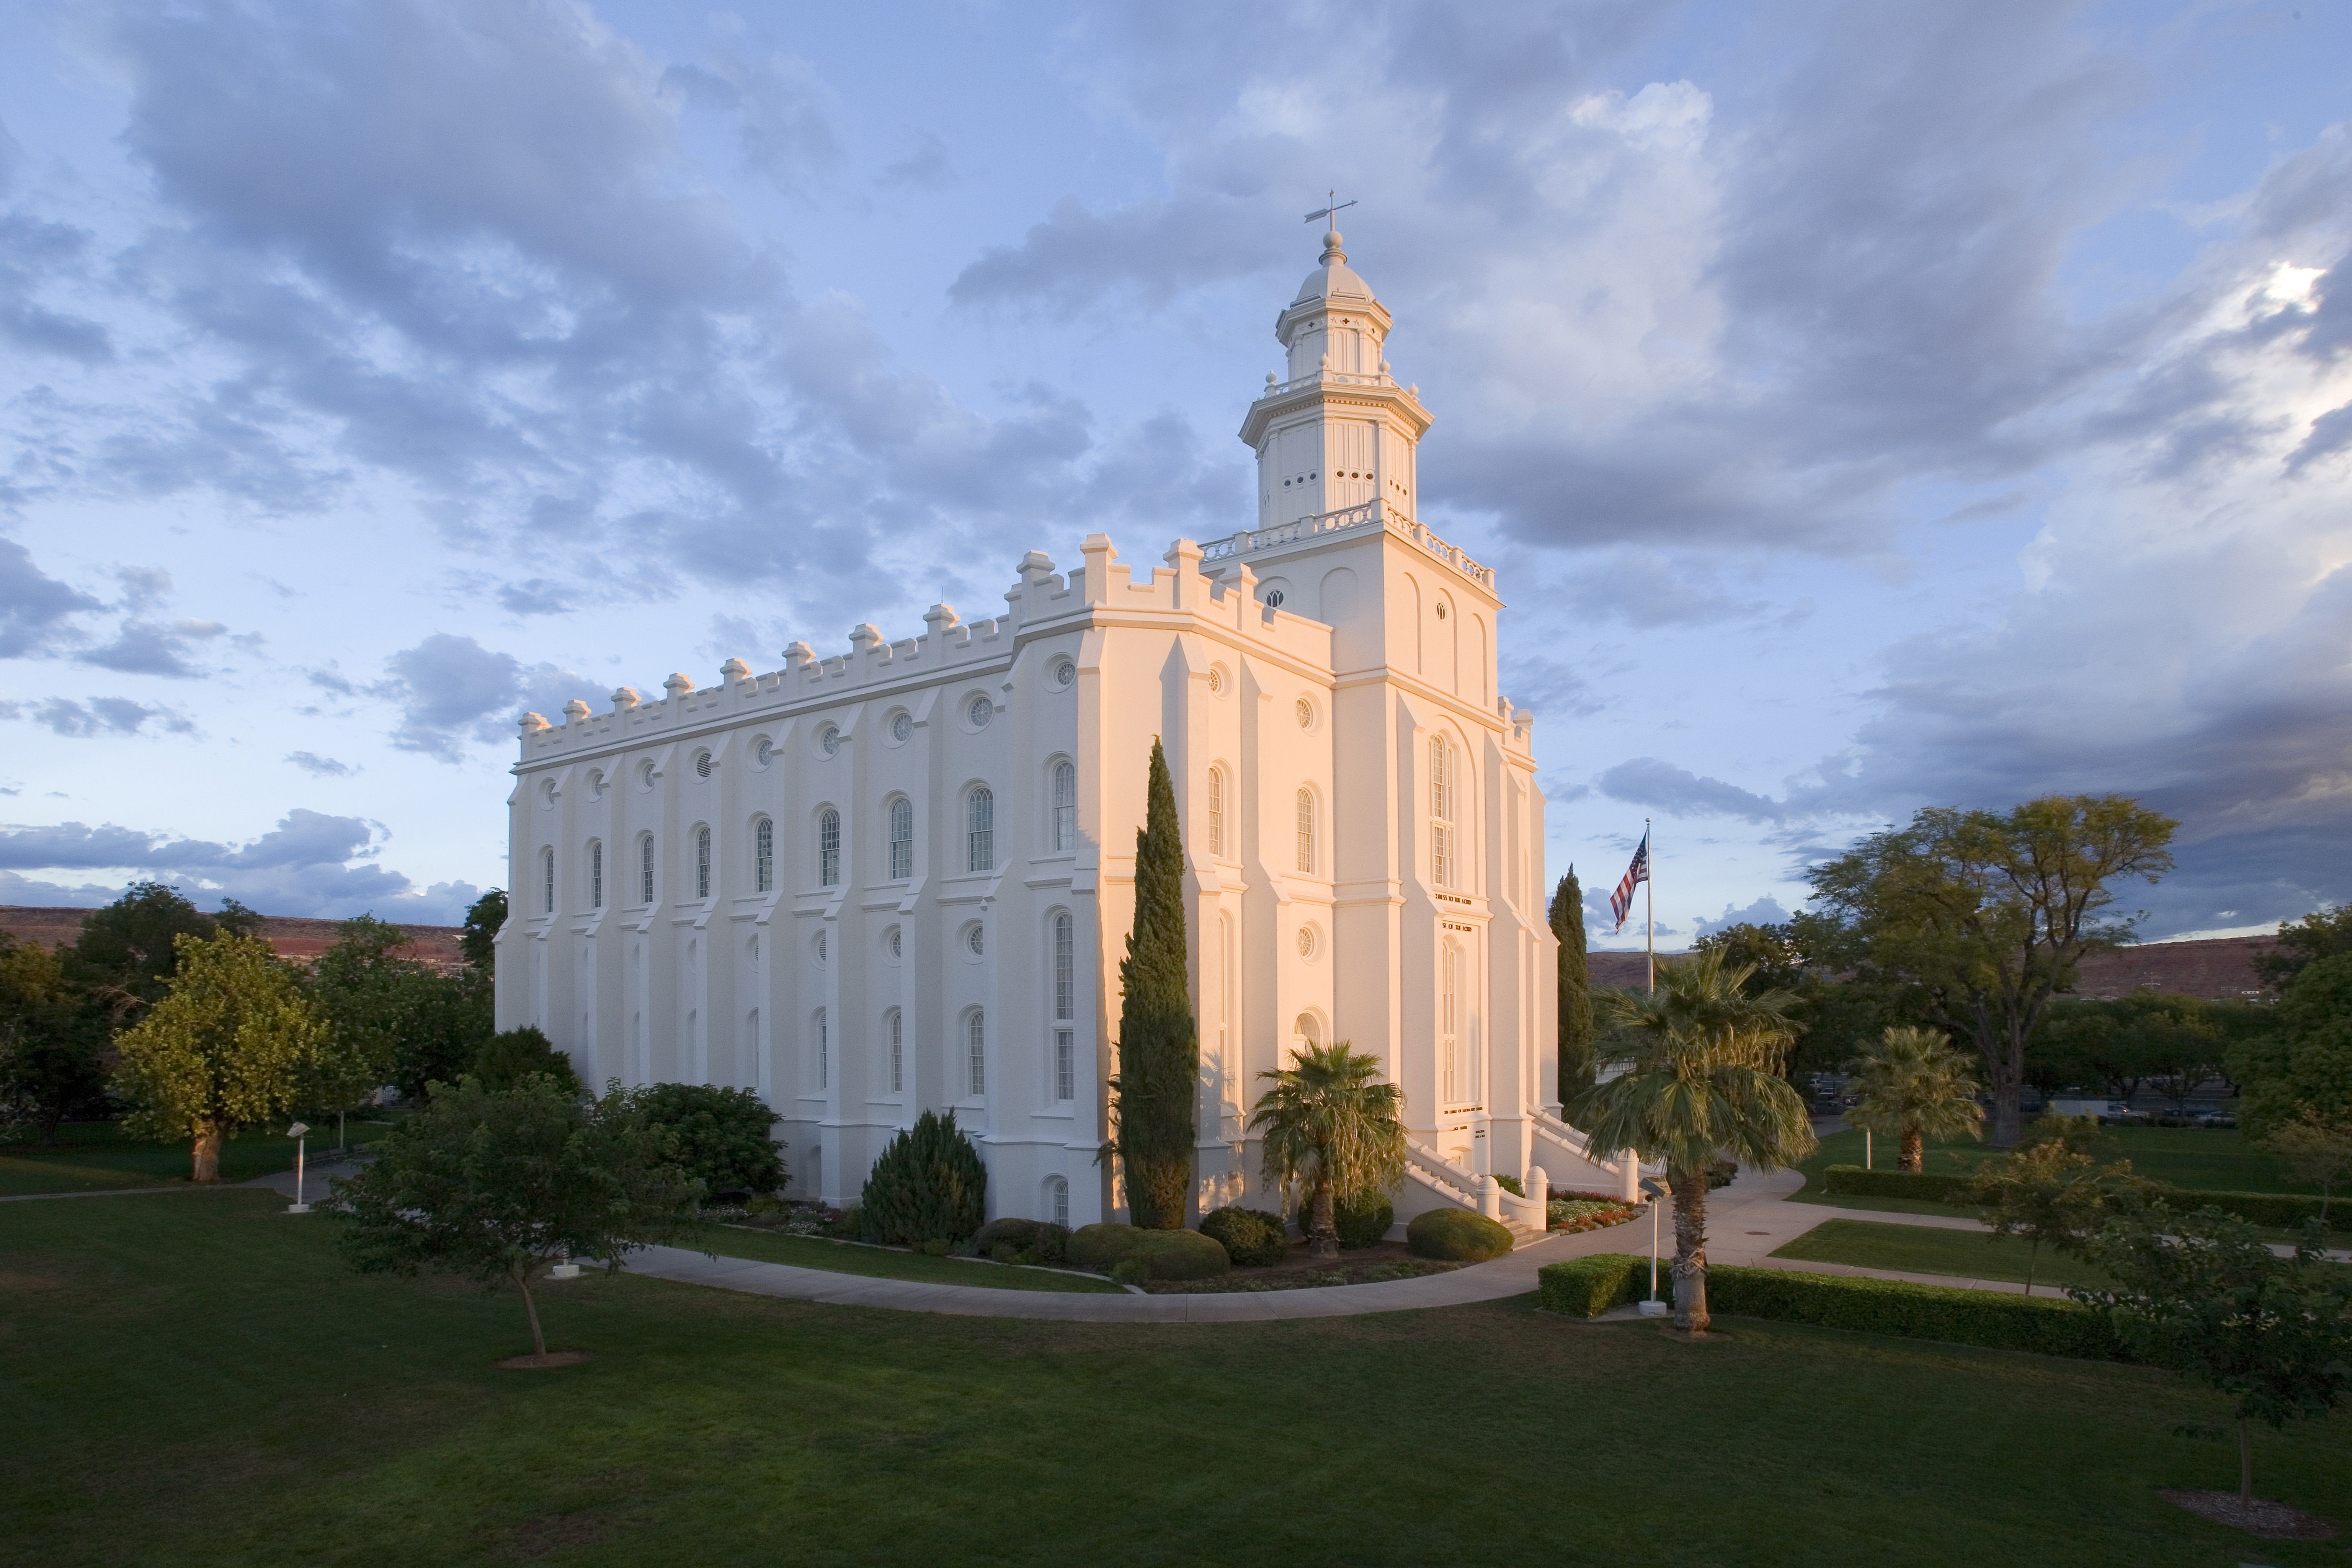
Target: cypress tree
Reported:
[(1575, 1029), (1158, 1047)]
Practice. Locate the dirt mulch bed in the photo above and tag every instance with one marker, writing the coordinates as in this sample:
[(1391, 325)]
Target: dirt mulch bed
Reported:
[(1298, 1271), (2270, 1520)]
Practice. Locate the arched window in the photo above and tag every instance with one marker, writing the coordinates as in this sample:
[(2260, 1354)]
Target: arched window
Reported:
[(1449, 1010), (823, 1051), (902, 839), (892, 1027), (595, 873), (547, 879), (1307, 831), (1057, 1200), (979, 830), (1065, 808), (1065, 1002), (1305, 1034), (828, 848), (1216, 811), (764, 855), (976, 1045), (702, 862), (1441, 866), (645, 862)]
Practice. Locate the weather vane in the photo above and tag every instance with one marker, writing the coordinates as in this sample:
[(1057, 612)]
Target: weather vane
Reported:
[(1336, 208)]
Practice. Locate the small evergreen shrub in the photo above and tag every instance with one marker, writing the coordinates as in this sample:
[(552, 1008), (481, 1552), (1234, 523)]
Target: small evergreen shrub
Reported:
[(1007, 1240), (1588, 1287), (1253, 1239), (1131, 1270), (1180, 1255), (929, 1185), (722, 1134), (1363, 1225), (1051, 1245), (1513, 1186), (1101, 1244), (1456, 1235), (933, 1247), (506, 1058)]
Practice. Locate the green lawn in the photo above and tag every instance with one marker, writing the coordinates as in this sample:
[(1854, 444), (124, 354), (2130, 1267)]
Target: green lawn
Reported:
[(841, 1257), (94, 1155), (200, 1382), (1923, 1250), (2215, 1159)]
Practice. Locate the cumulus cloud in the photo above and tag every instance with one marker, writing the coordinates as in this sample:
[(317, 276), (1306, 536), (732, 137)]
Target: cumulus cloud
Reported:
[(1665, 788), (154, 647), (452, 691), (35, 609), (1763, 911)]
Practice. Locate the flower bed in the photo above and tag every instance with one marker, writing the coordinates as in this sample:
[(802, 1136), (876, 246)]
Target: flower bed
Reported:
[(1589, 1210)]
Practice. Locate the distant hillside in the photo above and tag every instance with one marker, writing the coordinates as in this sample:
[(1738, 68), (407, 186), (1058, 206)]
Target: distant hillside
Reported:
[(293, 938), (2217, 968)]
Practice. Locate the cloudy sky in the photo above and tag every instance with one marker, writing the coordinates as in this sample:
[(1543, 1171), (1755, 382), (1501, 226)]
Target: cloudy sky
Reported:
[(1863, 406)]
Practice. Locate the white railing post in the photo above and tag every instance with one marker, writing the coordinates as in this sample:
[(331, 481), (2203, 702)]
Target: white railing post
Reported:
[(1540, 1194), (1490, 1197)]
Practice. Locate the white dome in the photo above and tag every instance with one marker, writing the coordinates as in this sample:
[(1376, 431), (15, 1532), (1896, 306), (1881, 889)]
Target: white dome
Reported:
[(1334, 280)]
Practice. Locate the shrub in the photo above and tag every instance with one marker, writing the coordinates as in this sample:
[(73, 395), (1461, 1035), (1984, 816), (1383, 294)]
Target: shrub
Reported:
[(1052, 1245), (1588, 1287), (1854, 1182), (1513, 1186), (722, 1134), (1587, 1213), (2284, 1210), (2002, 1321), (506, 1058), (1363, 1225), (1131, 1270), (1180, 1255), (929, 1185), (1101, 1244), (1251, 1238), (1003, 1238), (1458, 1236)]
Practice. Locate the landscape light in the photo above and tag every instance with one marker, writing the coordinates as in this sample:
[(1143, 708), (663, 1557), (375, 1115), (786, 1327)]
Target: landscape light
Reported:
[(298, 1132), (1654, 1189)]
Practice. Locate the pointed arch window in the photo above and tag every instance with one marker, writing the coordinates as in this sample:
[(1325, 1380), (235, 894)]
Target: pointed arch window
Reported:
[(764, 855), (1065, 808), (828, 848), (1307, 831), (702, 862), (976, 1052), (979, 830), (1217, 811), (547, 879), (1442, 865), (902, 839), (595, 873), (646, 869)]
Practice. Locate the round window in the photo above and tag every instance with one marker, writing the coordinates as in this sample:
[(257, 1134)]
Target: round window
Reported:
[(1273, 598), (974, 940), (892, 943), (1216, 680), (644, 775), (596, 786), (1306, 711), (828, 740), (1064, 674), (703, 764), (765, 751), (1306, 942), (979, 711), (820, 947), (902, 724)]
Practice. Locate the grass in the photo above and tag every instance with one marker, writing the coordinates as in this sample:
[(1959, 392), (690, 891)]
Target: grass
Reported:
[(2213, 1159), (95, 1155), (1924, 1249), (202, 1383), (882, 1263)]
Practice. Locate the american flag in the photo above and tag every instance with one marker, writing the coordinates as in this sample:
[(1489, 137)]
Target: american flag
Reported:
[(1635, 875)]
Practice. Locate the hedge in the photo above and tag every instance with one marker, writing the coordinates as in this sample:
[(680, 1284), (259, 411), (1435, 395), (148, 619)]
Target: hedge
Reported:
[(1458, 1236), (1101, 1243), (1179, 1254), (2048, 1325), (2283, 1210)]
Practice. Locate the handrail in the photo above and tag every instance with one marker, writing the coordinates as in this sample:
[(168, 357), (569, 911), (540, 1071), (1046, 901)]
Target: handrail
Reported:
[(1361, 515), (1440, 1172)]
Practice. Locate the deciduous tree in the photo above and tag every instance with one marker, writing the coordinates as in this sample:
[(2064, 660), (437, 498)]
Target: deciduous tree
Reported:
[(2317, 1149), (1158, 1043), (2306, 1059), (2049, 1191), (51, 1048)]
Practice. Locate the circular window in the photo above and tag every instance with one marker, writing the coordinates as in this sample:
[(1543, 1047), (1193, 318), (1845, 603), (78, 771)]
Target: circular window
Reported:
[(828, 740), (644, 775), (892, 943), (547, 796), (703, 764), (975, 938), (1216, 680), (596, 785), (819, 946), (902, 724), (1307, 941), (763, 751), (1064, 674), (1273, 598), (979, 711), (1306, 711)]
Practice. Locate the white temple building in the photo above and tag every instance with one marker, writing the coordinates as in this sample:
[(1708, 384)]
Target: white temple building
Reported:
[(900, 876)]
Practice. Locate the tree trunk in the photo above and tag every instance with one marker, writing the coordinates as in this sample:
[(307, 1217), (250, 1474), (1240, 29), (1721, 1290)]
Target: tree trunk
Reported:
[(1915, 1150), (1690, 1250), (1323, 1235), (2245, 1464), (531, 1309), (208, 1153)]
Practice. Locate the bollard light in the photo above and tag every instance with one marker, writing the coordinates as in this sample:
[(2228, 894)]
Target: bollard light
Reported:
[(298, 1132), (1655, 1190)]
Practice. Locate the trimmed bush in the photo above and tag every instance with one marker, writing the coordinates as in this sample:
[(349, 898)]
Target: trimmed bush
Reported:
[(1251, 1238), (1458, 1236), (1052, 1245), (1588, 1287), (1131, 1270), (2043, 1324), (722, 1134), (509, 1057), (1003, 1238), (1101, 1243), (929, 1185), (1362, 1225), (1180, 1255), (2284, 1210)]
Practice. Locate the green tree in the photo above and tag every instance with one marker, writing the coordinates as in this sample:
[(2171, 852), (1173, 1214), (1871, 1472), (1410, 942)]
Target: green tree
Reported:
[(371, 994), (1914, 1085), (2306, 1059), (1159, 1045), (2204, 1293), (2321, 934), (1333, 1134), (128, 951), (51, 1048), (722, 1134), (928, 1184), (2317, 1149), (1576, 1027), (499, 1186), (1988, 915), (233, 1042), (2049, 1192), (484, 918), (1701, 1063), (512, 1055)]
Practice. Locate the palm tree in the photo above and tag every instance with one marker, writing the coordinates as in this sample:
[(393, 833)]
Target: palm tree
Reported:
[(1915, 1084), (1698, 1076), (1332, 1128)]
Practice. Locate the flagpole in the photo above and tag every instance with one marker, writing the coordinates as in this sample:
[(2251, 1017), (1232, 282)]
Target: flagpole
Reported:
[(1649, 903)]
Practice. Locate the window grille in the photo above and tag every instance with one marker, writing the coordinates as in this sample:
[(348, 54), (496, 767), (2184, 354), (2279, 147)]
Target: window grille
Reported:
[(1066, 1065), (897, 1054), (828, 848), (980, 829), (702, 862), (1216, 811), (1307, 831), (595, 873), (547, 878), (1065, 808), (764, 855), (1441, 811), (646, 845), (902, 839), (1058, 1190), (824, 1052), (1449, 1002), (1065, 967), (976, 1031)]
